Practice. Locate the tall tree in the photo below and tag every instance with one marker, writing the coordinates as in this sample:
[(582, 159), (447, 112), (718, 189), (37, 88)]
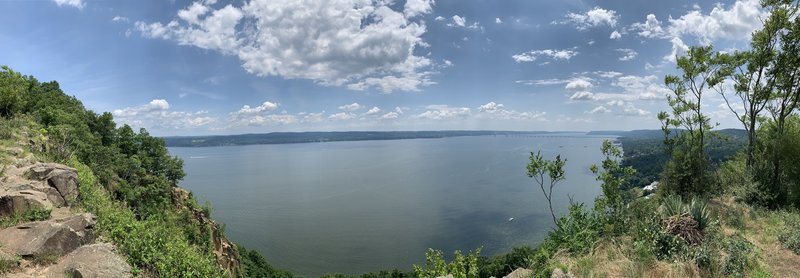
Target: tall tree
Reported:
[(539, 167), (749, 71), (786, 81), (687, 171)]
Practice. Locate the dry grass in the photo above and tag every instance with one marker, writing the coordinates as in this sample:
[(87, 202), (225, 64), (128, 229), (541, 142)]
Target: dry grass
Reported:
[(613, 257)]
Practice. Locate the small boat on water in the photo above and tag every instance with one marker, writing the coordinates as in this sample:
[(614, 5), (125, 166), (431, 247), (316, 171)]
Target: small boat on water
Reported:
[(511, 219)]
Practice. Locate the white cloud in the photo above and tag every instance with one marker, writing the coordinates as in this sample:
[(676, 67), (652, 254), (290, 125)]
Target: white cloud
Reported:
[(313, 117), (631, 110), (556, 54), (651, 28), (399, 109), (490, 107), (266, 106), (678, 49), (341, 116), (582, 96), (459, 21), (444, 112), (497, 20), (154, 105), (372, 111), (615, 35), (615, 103), (439, 18), (72, 3), (627, 54), (579, 84), (599, 110), (390, 116), (120, 19), (593, 18), (735, 23), (155, 115), (350, 107), (260, 120), (358, 44), (414, 8)]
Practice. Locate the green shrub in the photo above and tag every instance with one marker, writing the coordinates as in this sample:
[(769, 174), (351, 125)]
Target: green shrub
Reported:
[(738, 249), (460, 267), (577, 231), (790, 236)]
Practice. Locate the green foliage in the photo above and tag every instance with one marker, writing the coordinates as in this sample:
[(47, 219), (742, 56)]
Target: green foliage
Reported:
[(12, 90), (613, 176), (699, 211), (28, 215), (737, 262), (460, 267), (790, 235), (539, 167), (577, 231), (673, 206), (252, 264), (155, 245), (8, 264)]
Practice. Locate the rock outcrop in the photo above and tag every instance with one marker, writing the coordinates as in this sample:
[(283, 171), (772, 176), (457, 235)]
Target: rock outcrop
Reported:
[(224, 250), (96, 260), (66, 237)]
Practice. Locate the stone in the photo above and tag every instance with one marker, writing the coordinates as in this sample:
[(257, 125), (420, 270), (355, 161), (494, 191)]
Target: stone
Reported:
[(520, 273), (20, 201), (40, 238), (64, 179), (558, 273), (95, 260), (82, 224)]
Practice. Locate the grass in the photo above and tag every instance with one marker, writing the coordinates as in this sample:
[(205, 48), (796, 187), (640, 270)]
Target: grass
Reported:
[(8, 264), (44, 259), (28, 215)]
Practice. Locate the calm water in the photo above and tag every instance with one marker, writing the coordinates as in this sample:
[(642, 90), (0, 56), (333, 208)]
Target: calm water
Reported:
[(355, 207)]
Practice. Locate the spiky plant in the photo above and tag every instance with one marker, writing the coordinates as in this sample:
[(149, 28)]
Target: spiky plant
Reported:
[(698, 210), (673, 206)]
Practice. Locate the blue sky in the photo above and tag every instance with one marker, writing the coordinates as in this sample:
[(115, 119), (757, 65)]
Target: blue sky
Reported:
[(252, 66)]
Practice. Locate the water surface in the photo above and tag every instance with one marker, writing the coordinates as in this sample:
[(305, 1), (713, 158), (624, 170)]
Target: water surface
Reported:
[(361, 206)]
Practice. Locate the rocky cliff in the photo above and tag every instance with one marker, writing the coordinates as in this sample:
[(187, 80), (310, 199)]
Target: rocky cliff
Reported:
[(62, 241)]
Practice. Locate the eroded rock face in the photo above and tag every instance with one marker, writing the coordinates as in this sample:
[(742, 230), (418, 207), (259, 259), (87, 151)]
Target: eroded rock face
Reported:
[(224, 250), (20, 201), (95, 260), (53, 238), (64, 179)]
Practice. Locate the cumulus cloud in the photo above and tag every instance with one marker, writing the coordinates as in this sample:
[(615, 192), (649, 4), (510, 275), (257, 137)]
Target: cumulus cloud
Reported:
[(120, 19), (154, 105), (678, 49), (651, 28), (350, 107), (358, 44), (582, 96), (444, 112), (593, 18), (341, 116), (372, 111), (459, 21), (615, 35), (556, 54), (491, 106), (579, 84), (390, 116), (157, 115), (627, 54), (497, 20), (72, 3), (266, 106), (414, 8), (735, 23), (599, 110)]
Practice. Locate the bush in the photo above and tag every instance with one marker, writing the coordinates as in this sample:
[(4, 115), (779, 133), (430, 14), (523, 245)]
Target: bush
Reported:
[(737, 262), (790, 236), (460, 267)]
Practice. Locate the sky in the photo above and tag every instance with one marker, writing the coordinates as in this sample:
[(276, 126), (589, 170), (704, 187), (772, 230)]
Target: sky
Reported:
[(256, 66)]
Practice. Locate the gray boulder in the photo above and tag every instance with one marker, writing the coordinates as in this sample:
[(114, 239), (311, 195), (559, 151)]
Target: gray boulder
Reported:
[(48, 237), (64, 179), (95, 260)]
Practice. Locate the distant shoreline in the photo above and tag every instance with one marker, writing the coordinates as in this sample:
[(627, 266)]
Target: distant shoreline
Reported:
[(339, 136)]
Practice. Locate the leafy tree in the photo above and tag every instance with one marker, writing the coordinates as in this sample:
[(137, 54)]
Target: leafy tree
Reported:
[(539, 167), (12, 87), (750, 72), (613, 176), (687, 171)]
